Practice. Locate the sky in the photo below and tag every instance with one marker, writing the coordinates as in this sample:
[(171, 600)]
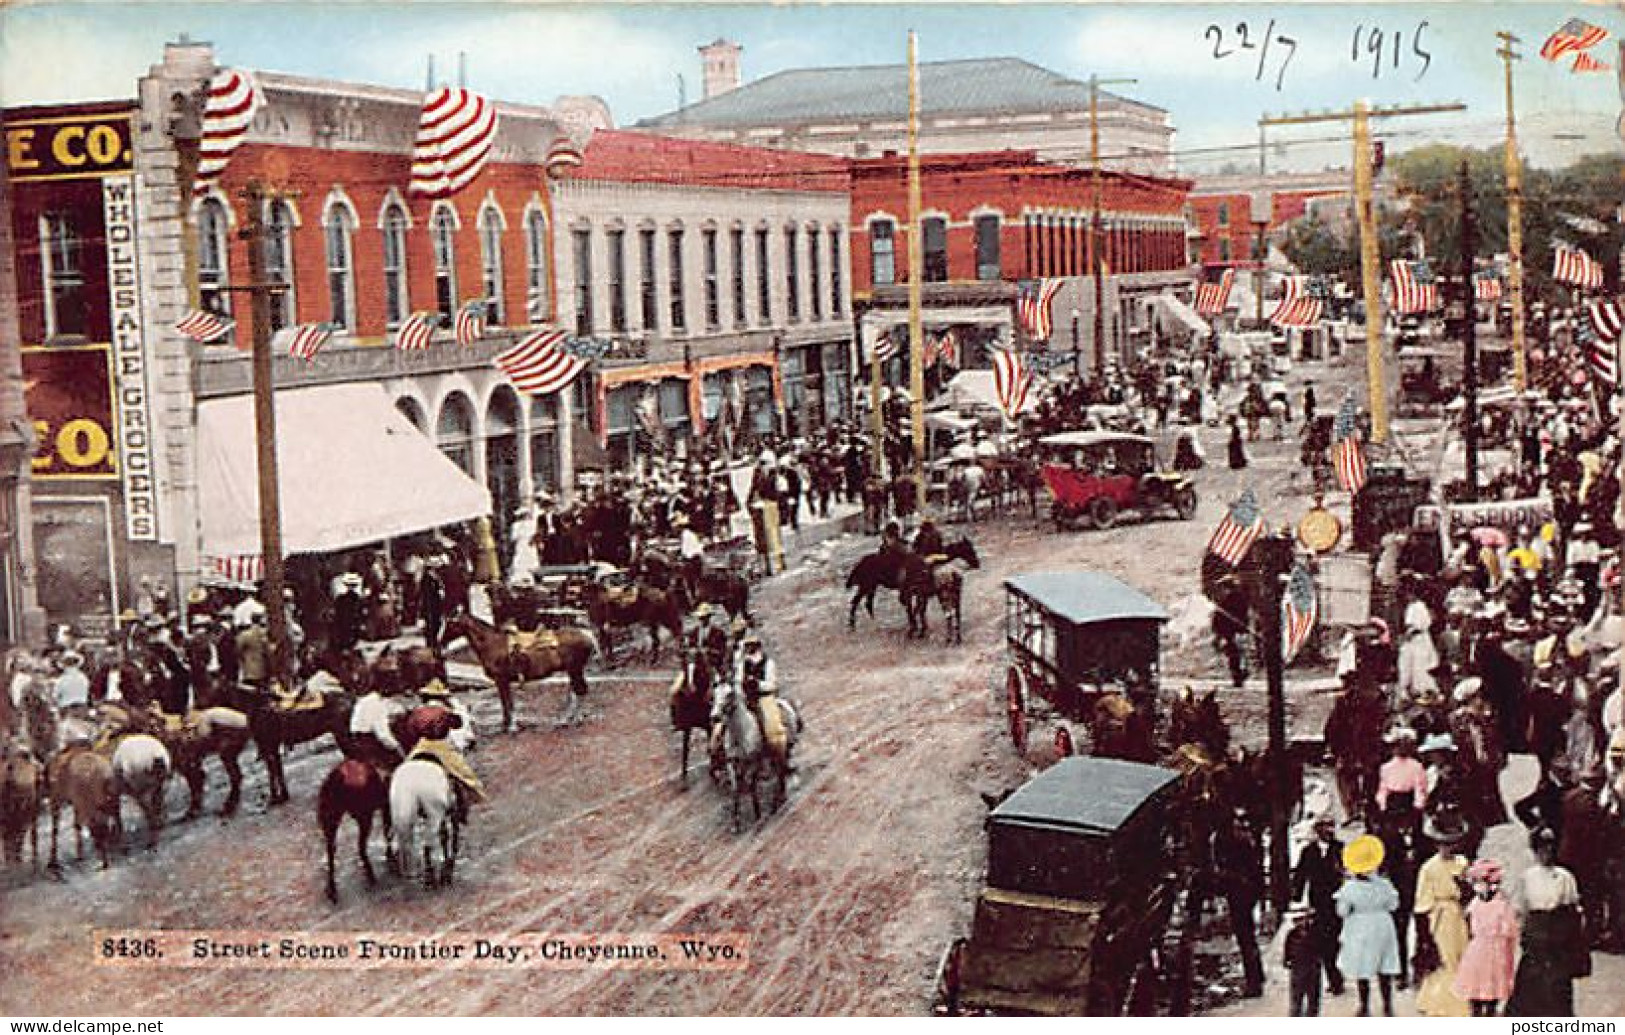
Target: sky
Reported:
[(1206, 64)]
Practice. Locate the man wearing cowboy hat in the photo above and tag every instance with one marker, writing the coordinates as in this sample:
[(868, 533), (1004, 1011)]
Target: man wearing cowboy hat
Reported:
[(348, 612), (1315, 880), (427, 735), (72, 687), (709, 638)]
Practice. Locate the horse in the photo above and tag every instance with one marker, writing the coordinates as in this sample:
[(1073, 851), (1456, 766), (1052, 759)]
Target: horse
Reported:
[(141, 768), (1119, 728), (965, 486), (874, 570), (1193, 720), (274, 728), (654, 608), (83, 779), (571, 652), (22, 785), (217, 732), (728, 589), (691, 701), (950, 584), (923, 580), (421, 791), (352, 788), (746, 752)]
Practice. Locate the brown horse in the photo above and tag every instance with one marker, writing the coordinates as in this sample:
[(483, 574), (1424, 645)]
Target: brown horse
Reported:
[(274, 728), (570, 652), (1197, 720), (83, 779), (691, 701), (653, 608), (1119, 728), (22, 785), (220, 733), (356, 789)]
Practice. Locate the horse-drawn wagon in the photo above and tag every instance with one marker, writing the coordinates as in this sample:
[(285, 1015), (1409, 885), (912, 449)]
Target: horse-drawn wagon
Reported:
[(1071, 638), (1078, 895)]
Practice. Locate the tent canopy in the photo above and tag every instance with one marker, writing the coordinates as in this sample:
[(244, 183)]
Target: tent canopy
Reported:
[(352, 470), (973, 390), (1183, 315)]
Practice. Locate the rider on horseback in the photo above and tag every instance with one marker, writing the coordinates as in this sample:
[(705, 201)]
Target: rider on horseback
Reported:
[(757, 676), (928, 540), (709, 639), (437, 730)]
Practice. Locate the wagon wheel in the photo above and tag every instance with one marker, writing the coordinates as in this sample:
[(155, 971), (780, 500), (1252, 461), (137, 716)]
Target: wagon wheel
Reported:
[(1103, 512), (1015, 706), (1185, 503)]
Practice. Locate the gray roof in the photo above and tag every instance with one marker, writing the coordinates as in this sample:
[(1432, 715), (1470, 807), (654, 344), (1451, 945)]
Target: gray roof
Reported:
[(1082, 597), (806, 95), (1093, 795)]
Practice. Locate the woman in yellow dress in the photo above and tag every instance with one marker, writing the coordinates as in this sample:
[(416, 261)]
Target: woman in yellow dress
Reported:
[(1439, 913)]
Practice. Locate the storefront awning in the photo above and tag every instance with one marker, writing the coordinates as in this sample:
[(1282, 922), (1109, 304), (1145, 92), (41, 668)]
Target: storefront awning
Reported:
[(1183, 314), (353, 470), (973, 390)]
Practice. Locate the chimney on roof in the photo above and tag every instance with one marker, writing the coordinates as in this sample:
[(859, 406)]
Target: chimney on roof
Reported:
[(720, 61)]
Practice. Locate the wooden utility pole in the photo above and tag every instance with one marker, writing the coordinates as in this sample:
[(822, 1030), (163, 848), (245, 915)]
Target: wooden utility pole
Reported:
[(259, 292), (916, 260), (1469, 330), (1370, 251), (1096, 256), (1514, 175), (877, 420)]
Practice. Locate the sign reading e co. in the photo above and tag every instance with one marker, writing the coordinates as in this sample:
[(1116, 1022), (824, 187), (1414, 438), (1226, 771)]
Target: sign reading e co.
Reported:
[(68, 147)]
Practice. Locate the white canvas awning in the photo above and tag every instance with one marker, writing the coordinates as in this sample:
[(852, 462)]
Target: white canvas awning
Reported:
[(973, 390), (1183, 315), (353, 470)]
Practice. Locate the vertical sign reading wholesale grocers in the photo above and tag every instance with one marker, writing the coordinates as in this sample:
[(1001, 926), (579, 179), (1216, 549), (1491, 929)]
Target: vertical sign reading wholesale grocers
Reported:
[(129, 359)]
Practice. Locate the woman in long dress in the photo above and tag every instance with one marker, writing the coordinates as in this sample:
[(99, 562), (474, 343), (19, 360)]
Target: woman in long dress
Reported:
[(1484, 978), (1368, 946), (1555, 950), (1438, 903)]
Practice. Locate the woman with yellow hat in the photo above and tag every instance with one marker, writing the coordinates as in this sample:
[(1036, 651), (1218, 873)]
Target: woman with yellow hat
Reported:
[(1369, 946)]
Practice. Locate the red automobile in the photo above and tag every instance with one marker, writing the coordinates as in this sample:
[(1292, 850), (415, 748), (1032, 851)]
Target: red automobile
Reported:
[(1094, 477)]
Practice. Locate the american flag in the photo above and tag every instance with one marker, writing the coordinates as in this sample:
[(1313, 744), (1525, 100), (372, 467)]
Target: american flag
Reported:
[(1348, 455), (1299, 609), (1606, 319), (1414, 289), (1487, 287), (469, 326), (415, 332), (1297, 308), (1574, 35), (308, 339), (454, 139), (1213, 298), (226, 117), (563, 158), (1573, 266), (245, 569), (1033, 302), (1604, 358), (1243, 523), (1011, 382), (1584, 62), (884, 348), (203, 326), (940, 347), (539, 364)]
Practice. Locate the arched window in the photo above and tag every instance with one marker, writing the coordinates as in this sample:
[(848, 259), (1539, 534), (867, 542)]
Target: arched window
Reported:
[(212, 272), (410, 409), (454, 431), (443, 231), (337, 229), (279, 225), (491, 264), (397, 297), (539, 287)]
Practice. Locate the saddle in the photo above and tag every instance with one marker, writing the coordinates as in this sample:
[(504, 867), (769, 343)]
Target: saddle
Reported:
[(935, 559), (306, 698), (774, 732), (621, 596), (451, 760), (522, 642)]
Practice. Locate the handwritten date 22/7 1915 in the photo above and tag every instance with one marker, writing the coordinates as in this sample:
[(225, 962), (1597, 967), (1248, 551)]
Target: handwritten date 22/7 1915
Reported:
[(1384, 49)]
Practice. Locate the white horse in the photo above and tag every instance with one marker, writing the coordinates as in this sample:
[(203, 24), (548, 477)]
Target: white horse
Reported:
[(141, 768), (421, 791), (965, 487), (749, 757)]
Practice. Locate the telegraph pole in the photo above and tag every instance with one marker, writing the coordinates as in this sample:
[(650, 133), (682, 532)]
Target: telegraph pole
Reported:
[(1514, 175), (1370, 251), (877, 420), (1096, 256), (916, 259), (260, 292), (1469, 332)]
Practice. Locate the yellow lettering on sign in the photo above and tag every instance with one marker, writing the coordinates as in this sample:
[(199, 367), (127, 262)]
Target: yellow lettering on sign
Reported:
[(82, 443), (104, 145), (63, 141), (42, 434), (19, 144)]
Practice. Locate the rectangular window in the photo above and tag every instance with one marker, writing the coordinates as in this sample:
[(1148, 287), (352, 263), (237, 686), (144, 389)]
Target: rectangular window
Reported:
[(713, 303), (835, 285), (883, 252), (646, 279), (581, 241), (792, 276), (674, 250), (934, 240), (736, 249), (987, 248), (1224, 213), (64, 280), (764, 283), (615, 243), (814, 274), (1224, 249)]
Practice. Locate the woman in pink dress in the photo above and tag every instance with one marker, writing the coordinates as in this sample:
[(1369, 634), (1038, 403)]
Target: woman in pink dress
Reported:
[(1484, 976)]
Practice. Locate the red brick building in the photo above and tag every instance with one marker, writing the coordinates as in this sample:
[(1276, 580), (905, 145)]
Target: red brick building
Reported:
[(1233, 214)]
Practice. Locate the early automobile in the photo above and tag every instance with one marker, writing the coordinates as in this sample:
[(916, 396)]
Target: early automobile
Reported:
[(1094, 477)]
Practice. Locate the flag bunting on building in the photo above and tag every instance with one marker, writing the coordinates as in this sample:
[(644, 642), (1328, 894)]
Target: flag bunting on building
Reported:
[(942, 347), (1034, 301), (1299, 609), (245, 569), (1413, 287), (1348, 454), (455, 135), (1584, 62), (1214, 298), (308, 339), (1011, 382), (1242, 525), (203, 326), (1606, 318), (1572, 36), (884, 348), (227, 114), (1297, 307), (469, 326), (1487, 287), (539, 363), (1573, 266), (415, 332)]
